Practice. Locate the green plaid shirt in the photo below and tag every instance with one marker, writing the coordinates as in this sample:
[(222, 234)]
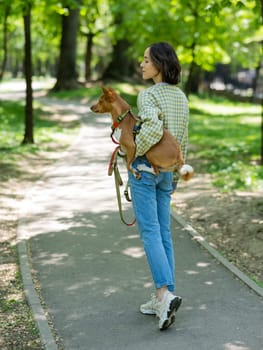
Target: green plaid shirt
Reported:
[(162, 105)]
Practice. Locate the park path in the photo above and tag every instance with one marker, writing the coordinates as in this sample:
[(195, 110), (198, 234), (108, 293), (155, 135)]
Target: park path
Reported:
[(92, 272)]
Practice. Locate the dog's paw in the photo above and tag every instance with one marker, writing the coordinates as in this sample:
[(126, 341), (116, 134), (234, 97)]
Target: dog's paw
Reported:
[(137, 174)]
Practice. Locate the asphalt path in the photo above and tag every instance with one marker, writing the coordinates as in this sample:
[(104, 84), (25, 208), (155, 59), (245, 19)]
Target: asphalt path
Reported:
[(91, 270)]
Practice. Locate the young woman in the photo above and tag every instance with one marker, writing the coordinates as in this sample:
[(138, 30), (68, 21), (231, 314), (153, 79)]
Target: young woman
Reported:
[(161, 105)]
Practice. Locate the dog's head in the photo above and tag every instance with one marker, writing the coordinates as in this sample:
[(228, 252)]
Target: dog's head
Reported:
[(110, 102), (106, 100)]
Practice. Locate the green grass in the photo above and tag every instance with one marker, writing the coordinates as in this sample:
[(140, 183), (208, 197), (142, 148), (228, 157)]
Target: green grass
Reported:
[(259, 283), (12, 126), (225, 138), (47, 132), (90, 94)]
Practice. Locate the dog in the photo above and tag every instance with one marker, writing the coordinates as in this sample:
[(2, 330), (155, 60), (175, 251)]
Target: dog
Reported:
[(166, 155)]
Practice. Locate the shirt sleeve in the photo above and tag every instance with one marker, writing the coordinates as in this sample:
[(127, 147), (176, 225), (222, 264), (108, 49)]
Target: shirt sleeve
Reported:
[(152, 126)]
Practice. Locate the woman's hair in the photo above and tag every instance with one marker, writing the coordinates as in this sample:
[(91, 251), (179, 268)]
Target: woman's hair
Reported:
[(166, 61)]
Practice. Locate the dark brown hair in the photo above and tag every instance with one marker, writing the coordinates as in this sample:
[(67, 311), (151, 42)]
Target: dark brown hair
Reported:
[(166, 61)]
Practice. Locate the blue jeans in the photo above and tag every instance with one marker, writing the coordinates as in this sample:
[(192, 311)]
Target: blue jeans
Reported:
[(151, 197)]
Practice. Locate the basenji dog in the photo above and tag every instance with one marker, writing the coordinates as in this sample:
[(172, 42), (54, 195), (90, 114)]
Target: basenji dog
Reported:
[(166, 155)]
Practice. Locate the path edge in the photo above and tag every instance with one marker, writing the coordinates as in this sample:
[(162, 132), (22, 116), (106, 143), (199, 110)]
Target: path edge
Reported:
[(41, 320), (201, 240), (39, 315)]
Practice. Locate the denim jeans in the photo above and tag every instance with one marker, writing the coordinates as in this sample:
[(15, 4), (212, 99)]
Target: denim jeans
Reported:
[(151, 197)]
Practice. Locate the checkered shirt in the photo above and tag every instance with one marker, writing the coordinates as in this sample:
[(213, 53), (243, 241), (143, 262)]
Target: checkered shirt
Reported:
[(162, 105)]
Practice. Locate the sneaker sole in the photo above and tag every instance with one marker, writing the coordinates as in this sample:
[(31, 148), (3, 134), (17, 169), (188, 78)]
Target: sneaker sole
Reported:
[(174, 306), (147, 312)]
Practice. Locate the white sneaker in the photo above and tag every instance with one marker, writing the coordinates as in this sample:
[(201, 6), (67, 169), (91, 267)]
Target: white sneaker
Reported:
[(151, 307), (167, 308)]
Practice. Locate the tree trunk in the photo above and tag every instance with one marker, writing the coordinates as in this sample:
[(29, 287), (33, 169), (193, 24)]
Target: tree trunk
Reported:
[(120, 66), (29, 122), (193, 80), (255, 82), (3, 65), (67, 74), (261, 151), (88, 55), (261, 98)]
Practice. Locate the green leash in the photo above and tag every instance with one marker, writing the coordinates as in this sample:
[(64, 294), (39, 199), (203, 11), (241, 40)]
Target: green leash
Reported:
[(113, 167)]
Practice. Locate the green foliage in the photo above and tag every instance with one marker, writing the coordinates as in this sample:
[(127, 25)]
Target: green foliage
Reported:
[(207, 31), (226, 142)]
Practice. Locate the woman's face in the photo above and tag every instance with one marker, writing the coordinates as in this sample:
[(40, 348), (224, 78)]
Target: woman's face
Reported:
[(149, 71)]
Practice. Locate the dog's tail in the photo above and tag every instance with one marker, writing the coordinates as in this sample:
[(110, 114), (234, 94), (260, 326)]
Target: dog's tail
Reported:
[(186, 172)]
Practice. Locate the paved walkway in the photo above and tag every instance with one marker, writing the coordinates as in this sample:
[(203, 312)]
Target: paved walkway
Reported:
[(93, 274)]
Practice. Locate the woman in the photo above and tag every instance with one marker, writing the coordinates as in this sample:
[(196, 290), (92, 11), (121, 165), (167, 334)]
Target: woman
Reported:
[(161, 105)]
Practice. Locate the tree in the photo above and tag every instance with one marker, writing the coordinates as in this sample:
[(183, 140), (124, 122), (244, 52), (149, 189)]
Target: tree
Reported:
[(260, 65), (122, 64), (92, 26), (67, 76), (6, 12), (203, 32), (29, 117), (250, 38)]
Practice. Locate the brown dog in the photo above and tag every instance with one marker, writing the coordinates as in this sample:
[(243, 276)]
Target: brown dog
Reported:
[(166, 154)]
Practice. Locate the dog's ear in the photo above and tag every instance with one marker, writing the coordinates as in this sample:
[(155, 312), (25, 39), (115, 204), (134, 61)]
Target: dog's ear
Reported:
[(109, 94), (104, 89)]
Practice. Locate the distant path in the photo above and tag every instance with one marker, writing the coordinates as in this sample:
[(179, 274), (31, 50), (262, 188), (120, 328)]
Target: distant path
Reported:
[(15, 89)]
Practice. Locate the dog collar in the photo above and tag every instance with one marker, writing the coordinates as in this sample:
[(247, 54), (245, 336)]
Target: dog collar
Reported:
[(119, 119)]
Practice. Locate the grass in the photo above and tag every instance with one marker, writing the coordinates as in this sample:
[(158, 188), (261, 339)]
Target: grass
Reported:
[(91, 93), (47, 131), (259, 283), (19, 327), (226, 142), (12, 127), (79, 94)]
